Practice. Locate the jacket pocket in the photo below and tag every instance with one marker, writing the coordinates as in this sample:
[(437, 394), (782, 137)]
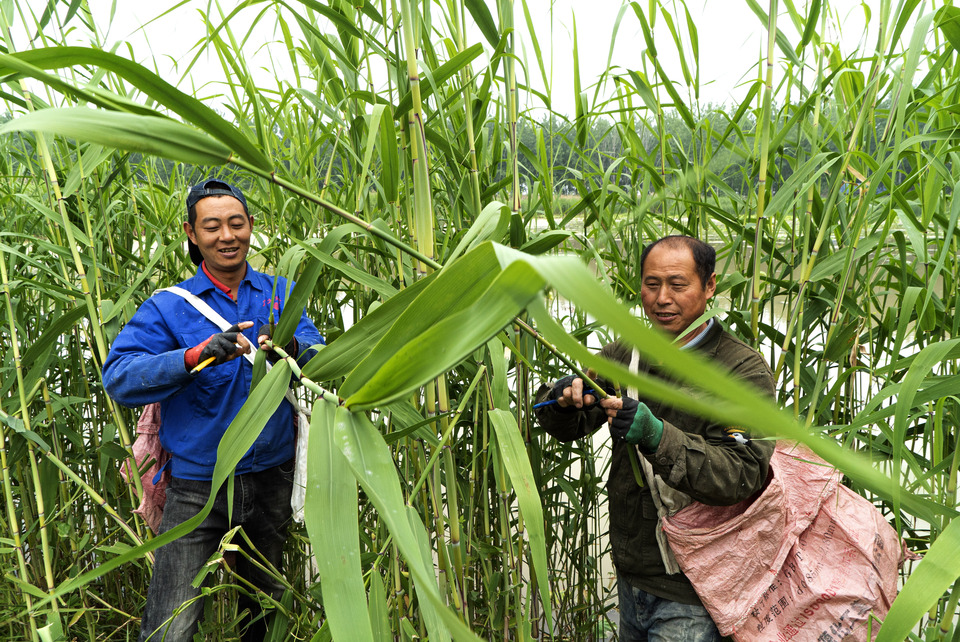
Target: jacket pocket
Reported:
[(633, 521)]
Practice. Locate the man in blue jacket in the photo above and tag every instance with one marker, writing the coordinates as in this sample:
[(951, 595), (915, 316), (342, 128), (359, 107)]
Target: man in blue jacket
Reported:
[(155, 358)]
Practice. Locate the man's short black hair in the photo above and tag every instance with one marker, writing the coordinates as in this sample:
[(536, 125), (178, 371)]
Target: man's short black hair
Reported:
[(704, 256)]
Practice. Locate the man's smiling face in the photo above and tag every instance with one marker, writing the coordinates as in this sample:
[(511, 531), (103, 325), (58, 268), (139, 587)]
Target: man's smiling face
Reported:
[(672, 294), (222, 233)]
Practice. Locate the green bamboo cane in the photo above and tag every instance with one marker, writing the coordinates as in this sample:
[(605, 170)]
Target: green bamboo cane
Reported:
[(457, 580), (459, 19), (507, 551), (485, 492), (64, 499), (12, 518), (99, 342), (506, 26), (762, 173), (423, 201), (45, 550)]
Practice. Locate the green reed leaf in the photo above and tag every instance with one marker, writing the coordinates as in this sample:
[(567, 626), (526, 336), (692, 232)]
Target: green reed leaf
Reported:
[(372, 465), (484, 20), (410, 357), (331, 520), (453, 288), (515, 460), (938, 570), (187, 107), (144, 134)]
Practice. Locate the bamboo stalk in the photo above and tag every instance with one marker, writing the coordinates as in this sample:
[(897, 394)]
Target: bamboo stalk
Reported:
[(12, 520), (762, 173)]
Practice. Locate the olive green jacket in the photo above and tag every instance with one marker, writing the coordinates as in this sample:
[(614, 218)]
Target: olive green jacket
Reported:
[(695, 456)]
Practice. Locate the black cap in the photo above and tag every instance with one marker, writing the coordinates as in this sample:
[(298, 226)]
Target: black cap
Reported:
[(209, 187)]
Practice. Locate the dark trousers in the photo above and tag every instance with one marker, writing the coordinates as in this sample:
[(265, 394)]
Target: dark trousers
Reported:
[(645, 617), (261, 505)]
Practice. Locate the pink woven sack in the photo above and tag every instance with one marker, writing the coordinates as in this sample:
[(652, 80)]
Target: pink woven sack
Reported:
[(147, 448), (808, 560)]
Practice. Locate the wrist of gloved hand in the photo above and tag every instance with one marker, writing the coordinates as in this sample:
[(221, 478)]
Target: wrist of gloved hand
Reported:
[(635, 424), (221, 346), (292, 348)]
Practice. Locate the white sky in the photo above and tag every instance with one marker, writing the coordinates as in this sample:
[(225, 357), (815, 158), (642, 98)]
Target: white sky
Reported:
[(731, 38), (731, 41)]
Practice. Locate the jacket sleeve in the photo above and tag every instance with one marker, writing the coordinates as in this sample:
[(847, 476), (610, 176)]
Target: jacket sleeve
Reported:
[(145, 363), (711, 463), (307, 337), (568, 424)]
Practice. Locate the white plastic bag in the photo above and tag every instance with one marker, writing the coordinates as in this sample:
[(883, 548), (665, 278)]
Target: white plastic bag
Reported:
[(299, 495)]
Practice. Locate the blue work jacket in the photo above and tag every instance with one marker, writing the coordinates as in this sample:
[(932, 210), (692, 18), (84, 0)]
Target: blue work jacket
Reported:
[(145, 365)]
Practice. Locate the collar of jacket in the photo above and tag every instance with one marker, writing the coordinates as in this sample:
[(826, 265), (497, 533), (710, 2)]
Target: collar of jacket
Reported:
[(711, 339), (201, 282)]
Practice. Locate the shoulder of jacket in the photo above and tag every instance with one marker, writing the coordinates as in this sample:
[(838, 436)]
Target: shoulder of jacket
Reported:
[(737, 353), (617, 351)]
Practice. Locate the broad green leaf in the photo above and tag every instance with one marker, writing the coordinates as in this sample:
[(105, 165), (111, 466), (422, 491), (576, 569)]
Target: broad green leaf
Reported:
[(809, 28), (455, 287), (491, 225), (333, 525), (948, 20), (144, 134), (643, 89), (545, 241), (678, 42), (422, 356), (53, 631), (390, 160), (515, 460), (500, 385), (906, 15), (350, 348), (379, 609), (189, 108), (484, 20), (938, 570), (372, 465), (373, 130), (295, 304)]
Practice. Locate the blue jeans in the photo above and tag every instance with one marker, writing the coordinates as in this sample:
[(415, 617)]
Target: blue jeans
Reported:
[(261, 505), (646, 617)]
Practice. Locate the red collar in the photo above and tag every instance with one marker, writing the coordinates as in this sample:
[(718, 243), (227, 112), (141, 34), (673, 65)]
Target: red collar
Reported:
[(220, 286)]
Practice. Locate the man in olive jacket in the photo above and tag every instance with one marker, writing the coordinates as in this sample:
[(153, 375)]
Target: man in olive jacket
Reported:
[(676, 456)]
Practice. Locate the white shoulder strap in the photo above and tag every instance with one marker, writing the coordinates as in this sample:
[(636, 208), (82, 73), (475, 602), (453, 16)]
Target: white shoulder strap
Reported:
[(634, 369), (204, 308), (667, 499), (223, 324)]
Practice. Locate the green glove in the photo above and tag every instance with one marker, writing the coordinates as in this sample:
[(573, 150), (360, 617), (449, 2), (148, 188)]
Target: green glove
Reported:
[(635, 424)]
